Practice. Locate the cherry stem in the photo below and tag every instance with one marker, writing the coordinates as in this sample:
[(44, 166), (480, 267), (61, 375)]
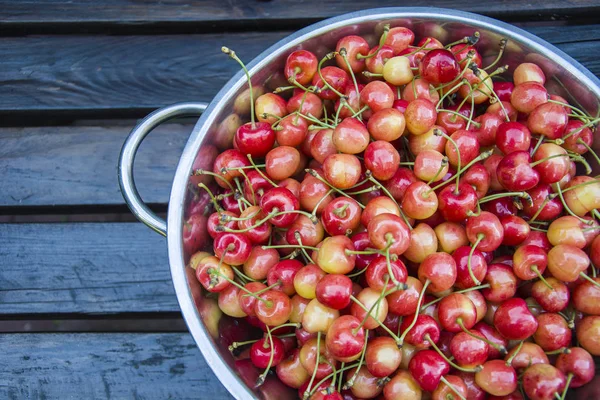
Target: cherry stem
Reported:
[(325, 196), (480, 157), (332, 375), (562, 350), (317, 362), (443, 164), (236, 345), (232, 54), (503, 43), (497, 346), (382, 39), (214, 271), (566, 389), (487, 285), (328, 56), (470, 40), (453, 364), (535, 269), (388, 194), (510, 359), (257, 224), (467, 63), (298, 238), (314, 120), (587, 278), (344, 54), (414, 321), (376, 304), (533, 164), (350, 382), (589, 149), (382, 325), (259, 171), (289, 246), (316, 175), (577, 110), (523, 195), (358, 273), (539, 210), (564, 203), (258, 293), (397, 284), (491, 88), (212, 197), (541, 140), (452, 388), (480, 237), (439, 132), (263, 376), (205, 172)]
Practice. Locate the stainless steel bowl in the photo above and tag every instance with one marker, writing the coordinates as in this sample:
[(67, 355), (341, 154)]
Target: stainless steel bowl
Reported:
[(566, 77)]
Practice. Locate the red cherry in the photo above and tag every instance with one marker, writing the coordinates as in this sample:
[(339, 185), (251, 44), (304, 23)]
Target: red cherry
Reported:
[(261, 351), (542, 381), (439, 66), (382, 159), (334, 291), (301, 65), (255, 139), (279, 200), (345, 338), (514, 320), (515, 173), (427, 368)]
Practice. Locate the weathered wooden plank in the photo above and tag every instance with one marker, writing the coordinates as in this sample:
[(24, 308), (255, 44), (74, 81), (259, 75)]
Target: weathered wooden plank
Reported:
[(256, 12), (104, 75), (76, 165), (105, 366), (84, 268)]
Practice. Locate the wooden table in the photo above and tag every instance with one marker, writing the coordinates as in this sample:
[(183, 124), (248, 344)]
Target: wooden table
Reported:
[(87, 307)]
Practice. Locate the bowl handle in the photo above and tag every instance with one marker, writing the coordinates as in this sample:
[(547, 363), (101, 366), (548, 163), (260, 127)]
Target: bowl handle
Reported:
[(130, 147)]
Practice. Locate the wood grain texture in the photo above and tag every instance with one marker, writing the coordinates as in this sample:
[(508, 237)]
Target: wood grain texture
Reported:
[(84, 268), (77, 165), (120, 12), (107, 75), (105, 367)]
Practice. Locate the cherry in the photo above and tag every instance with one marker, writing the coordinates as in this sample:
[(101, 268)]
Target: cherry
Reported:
[(575, 131), (213, 275), (427, 368), (470, 266), (323, 363), (404, 302), (440, 270), (378, 272), (301, 65), (402, 386), (545, 205), (466, 149), (584, 197), (450, 236), (334, 291), (389, 232), (195, 232), (282, 275), (269, 108), (477, 177), (420, 115), (345, 339), (273, 308), (542, 381), (377, 95), (452, 122), (496, 378), (264, 355), (474, 392), (318, 317), (455, 312), (469, 351), (504, 90), (526, 96), (427, 141), (588, 334), (455, 204), (332, 256), (387, 124), (364, 385), (548, 119), (399, 38), (382, 357), (372, 316), (502, 283), (314, 194), (281, 162), (494, 339), (515, 173), (350, 136), (255, 139), (450, 387), (578, 363), (337, 79), (291, 372), (567, 263), (304, 232), (361, 242), (382, 159), (378, 56), (525, 355), (516, 230), (512, 136), (420, 89), (419, 201), (586, 296), (461, 52), (376, 206), (232, 248), (514, 320), (350, 53), (553, 332), (528, 72), (342, 171), (553, 161), (397, 70), (280, 201), (554, 298)]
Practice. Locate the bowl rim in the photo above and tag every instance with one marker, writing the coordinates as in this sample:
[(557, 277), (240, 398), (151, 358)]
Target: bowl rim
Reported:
[(232, 382)]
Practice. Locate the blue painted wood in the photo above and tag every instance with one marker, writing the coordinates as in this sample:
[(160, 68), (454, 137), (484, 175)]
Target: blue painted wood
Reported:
[(105, 367)]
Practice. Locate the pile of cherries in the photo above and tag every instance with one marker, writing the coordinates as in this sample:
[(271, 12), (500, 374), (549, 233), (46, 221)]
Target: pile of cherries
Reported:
[(399, 221)]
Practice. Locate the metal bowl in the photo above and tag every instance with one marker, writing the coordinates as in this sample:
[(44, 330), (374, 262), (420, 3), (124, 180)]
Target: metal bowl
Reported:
[(566, 77)]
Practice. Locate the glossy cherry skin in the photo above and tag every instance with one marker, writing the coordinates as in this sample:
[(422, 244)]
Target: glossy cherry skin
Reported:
[(502, 281), (529, 354), (284, 273), (275, 309), (423, 242), (548, 119), (514, 172), (461, 52), (514, 320), (334, 291), (588, 334), (556, 165), (439, 66), (377, 273), (361, 242), (478, 266), (527, 96), (543, 196), (425, 331), (404, 302), (453, 388), (369, 297), (350, 136), (496, 378), (427, 368), (512, 136), (260, 352), (335, 77), (542, 381), (387, 124), (353, 45), (280, 199), (377, 95), (468, 145), (456, 306), (440, 269), (576, 130), (341, 216), (419, 201), (492, 335), (232, 248), (478, 178), (455, 205), (420, 116), (586, 297), (567, 262), (345, 339), (402, 386), (579, 363), (468, 351), (256, 139), (382, 159), (195, 233), (486, 228), (301, 65), (225, 162), (342, 170), (382, 356), (555, 299), (332, 256), (553, 332), (389, 228), (503, 90)]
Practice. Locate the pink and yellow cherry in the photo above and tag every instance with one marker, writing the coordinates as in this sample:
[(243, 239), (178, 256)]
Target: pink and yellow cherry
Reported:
[(578, 363), (567, 230), (567, 263), (334, 291), (485, 231), (351, 51), (322, 145), (488, 128), (363, 384), (397, 71), (423, 242), (529, 262), (382, 159), (232, 248), (516, 230), (375, 305), (324, 363), (273, 308), (525, 97), (502, 283), (259, 262), (553, 332), (214, 275), (497, 343), (377, 95), (387, 124), (577, 137), (382, 357), (269, 107), (389, 232), (335, 255), (439, 66), (314, 194), (423, 333), (336, 78), (419, 201), (477, 177), (281, 162), (496, 378), (455, 204), (551, 162), (301, 65), (282, 202), (376, 206), (471, 267), (281, 276), (456, 312), (318, 317), (556, 297), (361, 242), (341, 216), (514, 320), (345, 339), (420, 116), (402, 386), (306, 280), (545, 205), (515, 173), (440, 269), (399, 38), (350, 136), (450, 387), (427, 368), (451, 236), (586, 297), (378, 273), (512, 136), (291, 372), (404, 302), (247, 301), (378, 56), (549, 120), (588, 334), (304, 231), (524, 355), (342, 171), (467, 148), (427, 141), (585, 195), (543, 381)]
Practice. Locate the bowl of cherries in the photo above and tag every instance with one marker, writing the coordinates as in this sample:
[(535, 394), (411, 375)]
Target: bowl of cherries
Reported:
[(391, 204)]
